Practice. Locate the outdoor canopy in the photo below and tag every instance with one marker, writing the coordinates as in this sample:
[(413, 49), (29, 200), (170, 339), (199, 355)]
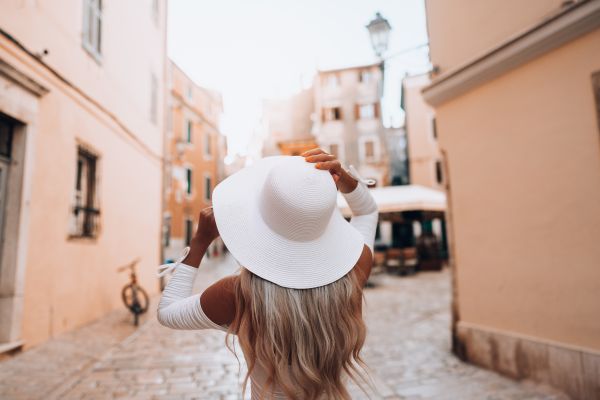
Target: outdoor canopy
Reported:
[(401, 198)]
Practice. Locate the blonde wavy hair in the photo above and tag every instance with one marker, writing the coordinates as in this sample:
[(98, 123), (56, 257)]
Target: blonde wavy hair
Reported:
[(307, 340)]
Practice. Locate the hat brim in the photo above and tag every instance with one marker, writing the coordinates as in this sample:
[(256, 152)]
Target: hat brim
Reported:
[(285, 262)]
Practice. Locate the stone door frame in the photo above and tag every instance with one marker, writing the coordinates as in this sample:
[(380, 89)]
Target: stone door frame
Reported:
[(19, 100)]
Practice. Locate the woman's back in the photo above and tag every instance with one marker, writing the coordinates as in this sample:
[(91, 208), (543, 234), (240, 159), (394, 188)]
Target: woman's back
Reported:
[(306, 340)]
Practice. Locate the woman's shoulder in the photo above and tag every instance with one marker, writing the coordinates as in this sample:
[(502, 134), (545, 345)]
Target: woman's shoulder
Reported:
[(218, 300)]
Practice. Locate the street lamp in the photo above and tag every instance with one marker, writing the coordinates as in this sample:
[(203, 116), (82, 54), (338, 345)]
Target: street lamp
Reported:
[(379, 30)]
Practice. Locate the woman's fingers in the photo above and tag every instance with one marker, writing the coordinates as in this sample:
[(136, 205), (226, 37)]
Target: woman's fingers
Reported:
[(311, 152), (320, 157), (333, 166)]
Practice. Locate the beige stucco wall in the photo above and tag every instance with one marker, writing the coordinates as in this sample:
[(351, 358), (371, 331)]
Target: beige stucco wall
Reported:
[(423, 149), (471, 27), (69, 282), (524, 164)]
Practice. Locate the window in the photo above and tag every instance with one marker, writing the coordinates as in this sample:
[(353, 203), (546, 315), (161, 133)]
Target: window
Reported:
[(335, 150), (189, 230), (366, 111), (92, 27), (188, 180), (207, 187), (189, 92), (434, 128), (167, 231), (369, 149), (207, 145), (438, 172), (332, 80), (85, 211), (153, 99), (169, 112), (365, 76), (331, 114), (6, 137), (155, 11), (189, 126)]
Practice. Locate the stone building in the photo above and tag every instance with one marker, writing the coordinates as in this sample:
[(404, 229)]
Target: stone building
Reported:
[(425, 162), (81, 131), (194, 163), (517, 99), (348, 123)]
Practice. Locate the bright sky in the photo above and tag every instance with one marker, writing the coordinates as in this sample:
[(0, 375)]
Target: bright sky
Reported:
[(252, 50)]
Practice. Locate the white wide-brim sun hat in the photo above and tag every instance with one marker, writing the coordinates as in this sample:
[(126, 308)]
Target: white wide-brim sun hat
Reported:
[(279, 219)]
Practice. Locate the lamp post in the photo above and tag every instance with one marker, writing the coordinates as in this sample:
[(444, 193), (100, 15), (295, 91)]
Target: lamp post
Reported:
[(379, 31)]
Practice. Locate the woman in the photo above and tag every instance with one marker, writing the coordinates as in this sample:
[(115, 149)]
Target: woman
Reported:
[(296, 305)]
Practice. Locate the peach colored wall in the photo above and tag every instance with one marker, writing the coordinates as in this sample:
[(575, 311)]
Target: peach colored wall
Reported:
[(471, 27), (69, 282), (524, 159), (423, 149), (132, 50)]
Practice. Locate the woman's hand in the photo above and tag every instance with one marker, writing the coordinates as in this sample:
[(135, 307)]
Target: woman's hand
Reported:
[(207, 227), (207, 232), (344, 182)]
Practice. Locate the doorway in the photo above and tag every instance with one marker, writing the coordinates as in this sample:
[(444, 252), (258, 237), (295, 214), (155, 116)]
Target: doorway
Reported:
[(6, 140)]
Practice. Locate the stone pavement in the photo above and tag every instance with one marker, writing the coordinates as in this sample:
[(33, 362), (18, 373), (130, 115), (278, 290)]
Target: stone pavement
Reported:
[(407, 349)]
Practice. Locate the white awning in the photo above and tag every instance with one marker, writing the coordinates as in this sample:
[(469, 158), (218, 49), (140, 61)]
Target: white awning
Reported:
[(402, 198)]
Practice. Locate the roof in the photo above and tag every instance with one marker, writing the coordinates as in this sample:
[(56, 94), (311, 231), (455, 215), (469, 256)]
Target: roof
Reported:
[(402, 198), (340, 69)]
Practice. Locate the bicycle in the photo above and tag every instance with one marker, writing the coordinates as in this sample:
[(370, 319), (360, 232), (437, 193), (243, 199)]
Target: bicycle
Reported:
[(134, 296)]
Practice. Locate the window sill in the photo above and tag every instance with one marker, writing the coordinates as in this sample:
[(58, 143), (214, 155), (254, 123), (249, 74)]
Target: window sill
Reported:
[(83, 239), (97, 57)]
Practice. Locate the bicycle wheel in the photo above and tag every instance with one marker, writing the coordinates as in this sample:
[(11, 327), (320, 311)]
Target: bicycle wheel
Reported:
[(135, 298)]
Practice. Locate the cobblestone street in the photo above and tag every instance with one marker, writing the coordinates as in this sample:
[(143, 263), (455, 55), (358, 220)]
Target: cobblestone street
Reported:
[(407, 349)]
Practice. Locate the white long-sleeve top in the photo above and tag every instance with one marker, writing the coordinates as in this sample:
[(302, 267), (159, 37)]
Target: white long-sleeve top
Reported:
[(180, 309)]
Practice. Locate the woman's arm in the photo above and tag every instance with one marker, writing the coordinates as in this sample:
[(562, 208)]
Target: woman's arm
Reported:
[(365, 216), (178, 308), (363, 207)]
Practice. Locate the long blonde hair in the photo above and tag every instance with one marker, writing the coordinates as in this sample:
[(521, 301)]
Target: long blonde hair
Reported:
[(306, 339)]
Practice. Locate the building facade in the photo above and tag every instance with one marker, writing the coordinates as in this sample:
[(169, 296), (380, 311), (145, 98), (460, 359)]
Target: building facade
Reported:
[(194, 162), (348, 123), (425, 161), (288, 124), (81, 122), (517, 99)]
